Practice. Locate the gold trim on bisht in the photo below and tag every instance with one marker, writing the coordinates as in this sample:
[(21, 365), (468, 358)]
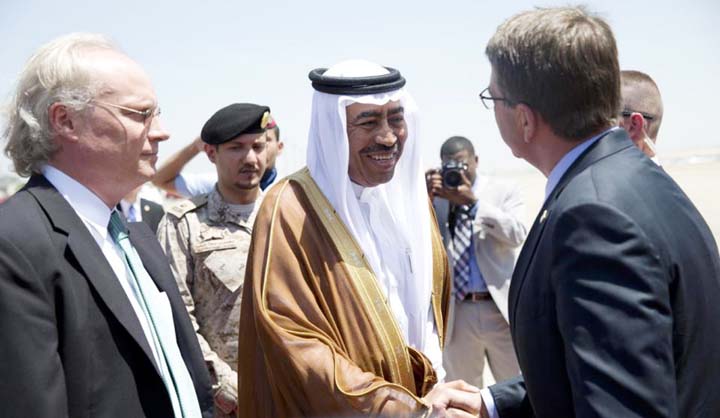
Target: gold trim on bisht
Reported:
[(393, 344), (440, 270)]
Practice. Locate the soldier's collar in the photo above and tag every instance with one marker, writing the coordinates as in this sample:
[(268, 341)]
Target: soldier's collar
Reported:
[(220, 211)]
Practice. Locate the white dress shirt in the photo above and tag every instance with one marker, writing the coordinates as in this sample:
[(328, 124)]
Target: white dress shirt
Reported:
[(125, 208), (96, 216)]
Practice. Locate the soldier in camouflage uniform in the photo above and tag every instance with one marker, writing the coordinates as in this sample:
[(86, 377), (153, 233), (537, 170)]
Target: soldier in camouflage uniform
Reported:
[(207, 240)]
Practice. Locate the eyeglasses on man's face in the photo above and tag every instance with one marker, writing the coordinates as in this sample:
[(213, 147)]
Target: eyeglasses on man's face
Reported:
[(626, 113), (489, 101), (147, 114)]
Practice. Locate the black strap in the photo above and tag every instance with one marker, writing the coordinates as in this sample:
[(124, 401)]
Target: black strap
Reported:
[(356, 85)]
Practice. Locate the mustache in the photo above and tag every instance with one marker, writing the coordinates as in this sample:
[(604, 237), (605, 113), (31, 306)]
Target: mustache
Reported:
[(249, 169), (381, 148)]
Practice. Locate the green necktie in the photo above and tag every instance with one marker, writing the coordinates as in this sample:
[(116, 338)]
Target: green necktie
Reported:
[(174, 371)]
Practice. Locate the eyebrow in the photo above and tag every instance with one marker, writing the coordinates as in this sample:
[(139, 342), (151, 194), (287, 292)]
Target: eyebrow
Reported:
[(376, 113), (399, 109), (368, 114)]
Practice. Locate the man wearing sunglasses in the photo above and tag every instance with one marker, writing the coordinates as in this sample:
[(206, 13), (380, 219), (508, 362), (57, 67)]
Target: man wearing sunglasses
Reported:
[(642, 110)]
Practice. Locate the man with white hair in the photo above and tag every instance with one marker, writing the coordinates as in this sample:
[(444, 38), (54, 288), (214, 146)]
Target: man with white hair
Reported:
[(91, 319), (346, 290)]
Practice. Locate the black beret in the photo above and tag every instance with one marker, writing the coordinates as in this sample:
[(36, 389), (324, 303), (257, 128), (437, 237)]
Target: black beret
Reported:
[(235, 120)]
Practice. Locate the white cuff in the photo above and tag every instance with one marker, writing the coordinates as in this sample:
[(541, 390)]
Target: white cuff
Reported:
[(489, 402)]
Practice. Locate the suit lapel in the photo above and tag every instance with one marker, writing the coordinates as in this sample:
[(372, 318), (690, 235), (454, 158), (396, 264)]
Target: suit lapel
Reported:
[(611, 143), (152, 213), (526, 255), (156, 264), (145, 244), (89, 256)]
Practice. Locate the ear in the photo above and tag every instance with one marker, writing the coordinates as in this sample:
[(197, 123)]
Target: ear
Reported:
[(527, 121), (280, 146), (211, 151), (636, 127), (63, 121)]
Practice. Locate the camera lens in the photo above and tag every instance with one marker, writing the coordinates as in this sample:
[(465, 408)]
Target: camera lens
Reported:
[(452, 173), (452, 178)]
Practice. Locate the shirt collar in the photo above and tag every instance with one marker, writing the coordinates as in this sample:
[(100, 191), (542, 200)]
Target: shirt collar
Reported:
[(566, 161), (125, 205), (221, 211), (83, 201), (365, 194), (357, 189), (268, 178)]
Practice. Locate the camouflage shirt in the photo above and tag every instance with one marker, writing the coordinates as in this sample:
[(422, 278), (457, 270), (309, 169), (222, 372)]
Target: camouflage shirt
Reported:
[(206, 240)]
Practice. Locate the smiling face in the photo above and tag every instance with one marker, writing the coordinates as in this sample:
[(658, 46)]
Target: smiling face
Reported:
[(377, 135)]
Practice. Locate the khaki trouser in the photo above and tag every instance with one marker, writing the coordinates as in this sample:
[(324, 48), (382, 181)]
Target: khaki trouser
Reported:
[(479, 331)]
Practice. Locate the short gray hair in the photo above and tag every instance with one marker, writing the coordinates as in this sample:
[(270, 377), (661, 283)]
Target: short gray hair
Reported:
[(56, 73)]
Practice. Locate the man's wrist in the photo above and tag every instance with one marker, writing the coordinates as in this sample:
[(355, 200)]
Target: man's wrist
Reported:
[(467, 200), (488, 409), (483, 412), (471, 208)]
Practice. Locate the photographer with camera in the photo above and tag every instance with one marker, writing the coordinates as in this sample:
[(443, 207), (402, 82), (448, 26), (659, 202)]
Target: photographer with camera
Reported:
[(481, 221)]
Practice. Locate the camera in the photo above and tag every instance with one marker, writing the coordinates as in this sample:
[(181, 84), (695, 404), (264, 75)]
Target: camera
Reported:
[(452, 173)]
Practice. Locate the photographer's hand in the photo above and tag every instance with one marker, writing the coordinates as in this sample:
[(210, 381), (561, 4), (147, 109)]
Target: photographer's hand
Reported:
[(463, 194), (433, 181)]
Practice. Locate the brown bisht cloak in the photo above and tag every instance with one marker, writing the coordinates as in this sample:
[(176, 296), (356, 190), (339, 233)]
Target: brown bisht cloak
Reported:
[(317, 337)]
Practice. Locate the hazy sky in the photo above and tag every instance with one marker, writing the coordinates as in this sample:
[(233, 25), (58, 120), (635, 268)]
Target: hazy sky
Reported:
[(205, 55)]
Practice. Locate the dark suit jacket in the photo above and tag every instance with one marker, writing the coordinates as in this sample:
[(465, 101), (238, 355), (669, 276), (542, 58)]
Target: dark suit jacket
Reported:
[(152, 213), (615, 299), (71, 345), (442, 214)]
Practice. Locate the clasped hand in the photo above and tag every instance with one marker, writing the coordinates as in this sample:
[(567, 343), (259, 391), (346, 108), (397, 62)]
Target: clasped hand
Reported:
[(454, 399)]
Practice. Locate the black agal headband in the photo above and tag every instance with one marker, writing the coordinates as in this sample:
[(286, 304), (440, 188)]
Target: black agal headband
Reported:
[(356, 85)]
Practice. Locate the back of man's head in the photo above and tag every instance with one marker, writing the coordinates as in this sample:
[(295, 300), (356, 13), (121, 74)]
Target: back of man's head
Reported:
[(57, 72), (563, 63), (455, 144), (641, 94)]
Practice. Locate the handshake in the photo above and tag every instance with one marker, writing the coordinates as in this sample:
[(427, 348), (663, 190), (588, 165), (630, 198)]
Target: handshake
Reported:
[(455, 399)]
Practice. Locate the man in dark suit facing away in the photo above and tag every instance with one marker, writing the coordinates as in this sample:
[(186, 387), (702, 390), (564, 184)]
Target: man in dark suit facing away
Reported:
[(615, 298), (91, 320)]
